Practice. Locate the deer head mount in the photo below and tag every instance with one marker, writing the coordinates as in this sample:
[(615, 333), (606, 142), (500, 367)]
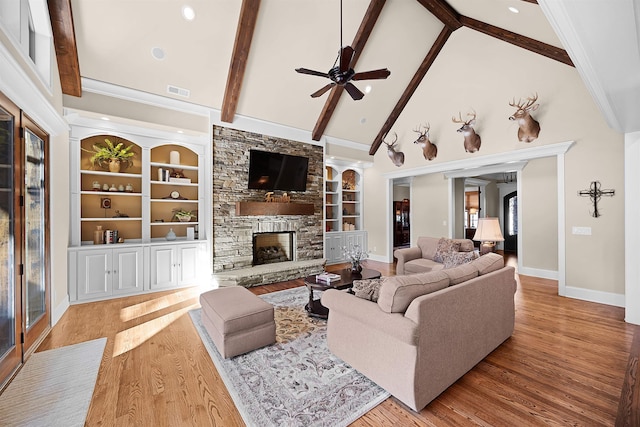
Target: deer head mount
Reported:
[(397, 157), (429, 150), (471, 138), (528, 128)]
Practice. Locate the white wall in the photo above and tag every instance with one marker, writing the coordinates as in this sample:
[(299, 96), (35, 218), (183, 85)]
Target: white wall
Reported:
[(499, 72)]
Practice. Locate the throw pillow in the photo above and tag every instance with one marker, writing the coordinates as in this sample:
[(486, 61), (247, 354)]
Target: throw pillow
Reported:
[(445, 246), (368, 289), (454, 259)]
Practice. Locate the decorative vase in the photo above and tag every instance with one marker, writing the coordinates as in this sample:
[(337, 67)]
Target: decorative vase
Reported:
[(356, 267), (98, 235), (114, 165), (171, 235), (174, 157)]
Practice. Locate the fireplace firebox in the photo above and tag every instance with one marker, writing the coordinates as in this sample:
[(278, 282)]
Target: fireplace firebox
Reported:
[(272, 247)]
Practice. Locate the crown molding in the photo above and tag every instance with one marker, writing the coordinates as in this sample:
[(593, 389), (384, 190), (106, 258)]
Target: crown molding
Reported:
[(240, 122), (92, 122), (22, 91)]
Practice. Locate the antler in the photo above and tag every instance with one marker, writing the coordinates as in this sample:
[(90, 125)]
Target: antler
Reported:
[(426, 129), (394, 140), (459, 120), (524, 105)]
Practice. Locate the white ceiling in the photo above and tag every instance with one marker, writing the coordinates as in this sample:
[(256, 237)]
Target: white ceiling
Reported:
[(115, 39)]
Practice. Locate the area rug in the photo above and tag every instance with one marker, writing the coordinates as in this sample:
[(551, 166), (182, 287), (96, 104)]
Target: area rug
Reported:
[(54, 387), (297, 381)]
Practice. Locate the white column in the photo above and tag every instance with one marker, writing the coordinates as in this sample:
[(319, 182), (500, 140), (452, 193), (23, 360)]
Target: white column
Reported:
[(632, 226)]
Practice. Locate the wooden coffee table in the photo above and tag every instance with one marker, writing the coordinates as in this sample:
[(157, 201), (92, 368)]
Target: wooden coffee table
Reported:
[(314, 307)]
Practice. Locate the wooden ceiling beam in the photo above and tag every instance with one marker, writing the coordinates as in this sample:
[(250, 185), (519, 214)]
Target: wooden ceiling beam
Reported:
[(524, 42), (359, 41), (444, 12), (64, 41), (239, 57), (411, 88)]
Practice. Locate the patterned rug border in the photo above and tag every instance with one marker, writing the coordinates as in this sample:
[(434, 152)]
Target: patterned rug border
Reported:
[(297, 296)]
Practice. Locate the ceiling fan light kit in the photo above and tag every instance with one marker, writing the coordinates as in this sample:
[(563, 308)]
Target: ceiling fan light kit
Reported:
[(342, 73)]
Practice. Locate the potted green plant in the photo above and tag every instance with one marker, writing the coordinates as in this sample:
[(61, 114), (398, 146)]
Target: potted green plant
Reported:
[(182, 215), (113, 157)]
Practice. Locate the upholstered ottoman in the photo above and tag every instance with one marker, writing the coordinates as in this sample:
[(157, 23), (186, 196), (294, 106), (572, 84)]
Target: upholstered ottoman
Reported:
[(237, 320)]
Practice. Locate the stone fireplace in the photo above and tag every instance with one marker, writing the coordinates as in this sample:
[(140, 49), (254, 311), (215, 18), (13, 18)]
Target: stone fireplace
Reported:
[(233, 232), (273, 247)]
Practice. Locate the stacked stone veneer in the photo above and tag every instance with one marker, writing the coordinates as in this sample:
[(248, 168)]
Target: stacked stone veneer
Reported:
[(232, 234)]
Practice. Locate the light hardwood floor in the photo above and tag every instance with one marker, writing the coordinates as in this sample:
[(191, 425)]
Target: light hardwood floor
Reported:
[(564, 365)]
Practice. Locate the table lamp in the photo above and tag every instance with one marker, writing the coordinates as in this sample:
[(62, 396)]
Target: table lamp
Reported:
[(488, 232)]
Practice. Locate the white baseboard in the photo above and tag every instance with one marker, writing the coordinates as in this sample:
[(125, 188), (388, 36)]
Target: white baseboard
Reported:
[(537, 272), (59, 310), (379, 258), (590, 295)]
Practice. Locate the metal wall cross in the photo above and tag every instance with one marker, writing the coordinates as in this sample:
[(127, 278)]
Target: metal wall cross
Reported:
[(595, 193)]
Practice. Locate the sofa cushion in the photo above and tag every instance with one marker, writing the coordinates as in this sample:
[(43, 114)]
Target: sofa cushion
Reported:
[(488, 262), (445, 247), (397, 292), (428, 246), (368, 289), (461, 273), (421, 265), (454, 259)]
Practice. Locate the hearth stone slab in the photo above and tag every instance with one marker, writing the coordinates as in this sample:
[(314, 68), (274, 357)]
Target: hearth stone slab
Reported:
[(269, 273)]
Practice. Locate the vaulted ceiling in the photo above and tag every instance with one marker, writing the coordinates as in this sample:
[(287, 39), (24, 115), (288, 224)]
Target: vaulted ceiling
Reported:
[(239, 56)]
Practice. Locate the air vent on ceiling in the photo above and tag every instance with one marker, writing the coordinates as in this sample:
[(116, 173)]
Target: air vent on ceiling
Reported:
[(174, 90)]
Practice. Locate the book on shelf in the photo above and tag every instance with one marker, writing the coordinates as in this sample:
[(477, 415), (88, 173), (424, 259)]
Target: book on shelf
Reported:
[(327, 277)]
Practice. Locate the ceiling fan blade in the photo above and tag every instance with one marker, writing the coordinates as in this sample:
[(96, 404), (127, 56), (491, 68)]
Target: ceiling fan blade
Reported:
[(323, 90), (382, 73), (311, 72), (353, 91), (346, 53)]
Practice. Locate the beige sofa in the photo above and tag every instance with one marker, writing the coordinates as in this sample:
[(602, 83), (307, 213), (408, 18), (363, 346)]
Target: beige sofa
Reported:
[(426, 330), (420, 259)]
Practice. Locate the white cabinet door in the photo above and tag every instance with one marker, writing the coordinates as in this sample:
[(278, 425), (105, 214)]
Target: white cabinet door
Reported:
[(164, 267), (127, 270), (189, 264), (94, 274), (356, 238), (333, 248)]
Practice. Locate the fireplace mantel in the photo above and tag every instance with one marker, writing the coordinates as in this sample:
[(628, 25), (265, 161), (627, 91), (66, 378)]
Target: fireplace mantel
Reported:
[(273, 208)]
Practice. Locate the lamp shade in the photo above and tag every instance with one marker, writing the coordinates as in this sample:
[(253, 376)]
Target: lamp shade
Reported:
[(488, 230)]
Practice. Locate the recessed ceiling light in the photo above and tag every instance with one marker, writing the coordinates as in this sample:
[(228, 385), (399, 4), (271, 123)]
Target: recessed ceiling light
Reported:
[(105, 118), (333, 157), (367, 89), (188, 13), (513, 9), (179, 131), (158, 53)]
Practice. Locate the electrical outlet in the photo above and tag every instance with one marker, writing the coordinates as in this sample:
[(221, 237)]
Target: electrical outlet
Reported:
[(583, 231)]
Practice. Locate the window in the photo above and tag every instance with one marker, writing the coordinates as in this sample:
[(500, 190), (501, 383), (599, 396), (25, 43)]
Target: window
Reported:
[(26, 22)]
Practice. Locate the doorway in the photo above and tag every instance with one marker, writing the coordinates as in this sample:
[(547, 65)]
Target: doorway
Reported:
[(24, 237), (510, 223)]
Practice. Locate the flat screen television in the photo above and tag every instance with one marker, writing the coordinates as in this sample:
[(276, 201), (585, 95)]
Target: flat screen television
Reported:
[(276, 171)]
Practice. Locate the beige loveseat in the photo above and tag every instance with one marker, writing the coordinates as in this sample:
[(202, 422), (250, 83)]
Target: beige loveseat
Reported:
[(426, 257), (426, 330)]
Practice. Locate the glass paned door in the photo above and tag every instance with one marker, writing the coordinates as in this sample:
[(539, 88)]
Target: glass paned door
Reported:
[(10, 320), (34, 209), (34, 216)]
